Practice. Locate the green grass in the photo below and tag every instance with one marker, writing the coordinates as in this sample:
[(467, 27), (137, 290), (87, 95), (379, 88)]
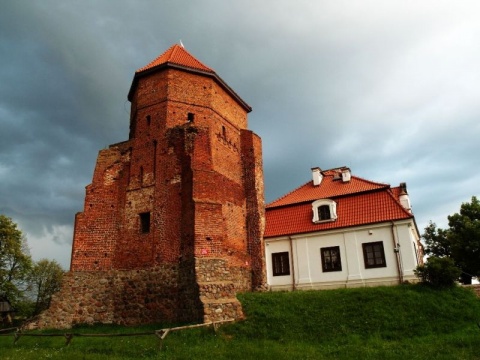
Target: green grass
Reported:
[(403, 322)]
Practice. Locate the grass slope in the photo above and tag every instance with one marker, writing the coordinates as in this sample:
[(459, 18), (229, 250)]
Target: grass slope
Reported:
[(403, 322)]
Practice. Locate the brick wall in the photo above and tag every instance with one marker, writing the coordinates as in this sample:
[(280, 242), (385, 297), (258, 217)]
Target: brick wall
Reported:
[(255, 206), (194, 171)]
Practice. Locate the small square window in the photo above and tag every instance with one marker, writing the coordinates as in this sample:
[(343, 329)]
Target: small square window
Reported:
[(145, 222), (190, 117), (281, 264), (324, 212), (374, 255), (331, 259)]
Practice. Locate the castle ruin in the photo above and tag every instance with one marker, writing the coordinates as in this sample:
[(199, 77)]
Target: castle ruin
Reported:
[(172, 225)]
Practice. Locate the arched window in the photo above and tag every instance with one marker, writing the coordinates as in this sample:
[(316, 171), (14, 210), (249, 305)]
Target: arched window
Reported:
[(324, 210)]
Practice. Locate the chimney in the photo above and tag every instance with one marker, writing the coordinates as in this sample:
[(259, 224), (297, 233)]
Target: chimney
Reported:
[(404, 198), (316, 176), (346, 175)]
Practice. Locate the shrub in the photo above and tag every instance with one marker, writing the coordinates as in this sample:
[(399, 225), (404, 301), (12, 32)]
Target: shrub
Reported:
[(438, 272)]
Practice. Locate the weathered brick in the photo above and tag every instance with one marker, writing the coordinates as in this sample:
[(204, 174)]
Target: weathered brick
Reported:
[(200, 180)]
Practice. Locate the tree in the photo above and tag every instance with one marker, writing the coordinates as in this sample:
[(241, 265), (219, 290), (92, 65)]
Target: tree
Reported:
[(438, 272), (460, 242), (15, 260), (45, 279)]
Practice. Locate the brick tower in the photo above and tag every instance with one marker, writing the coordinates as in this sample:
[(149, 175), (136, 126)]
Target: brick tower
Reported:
[(173, 220)]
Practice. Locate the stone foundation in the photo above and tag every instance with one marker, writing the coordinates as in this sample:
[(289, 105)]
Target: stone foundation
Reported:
[(194, 291), (120, 297), (218, 284)]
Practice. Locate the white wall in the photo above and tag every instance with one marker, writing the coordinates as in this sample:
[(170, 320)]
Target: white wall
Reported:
[(305, 258)]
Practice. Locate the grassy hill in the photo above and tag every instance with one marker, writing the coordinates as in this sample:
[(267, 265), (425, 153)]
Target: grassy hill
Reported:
[(403, 322)]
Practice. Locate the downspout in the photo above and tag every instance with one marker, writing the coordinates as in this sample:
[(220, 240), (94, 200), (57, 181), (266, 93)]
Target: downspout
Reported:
[(294, 286), (396, 249)]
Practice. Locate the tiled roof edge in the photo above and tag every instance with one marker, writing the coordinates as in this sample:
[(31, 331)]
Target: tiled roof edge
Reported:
[(284, 196), (390, 192)]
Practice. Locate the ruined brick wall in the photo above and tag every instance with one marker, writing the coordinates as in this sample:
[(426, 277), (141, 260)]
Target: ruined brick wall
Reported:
[(97, 227), (186, 190), (253, 179)]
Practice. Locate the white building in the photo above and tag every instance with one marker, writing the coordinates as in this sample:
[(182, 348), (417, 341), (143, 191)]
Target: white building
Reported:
[(339, 230)]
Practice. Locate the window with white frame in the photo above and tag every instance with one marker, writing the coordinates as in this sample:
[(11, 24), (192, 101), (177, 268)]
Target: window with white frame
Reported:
[(324, 210)]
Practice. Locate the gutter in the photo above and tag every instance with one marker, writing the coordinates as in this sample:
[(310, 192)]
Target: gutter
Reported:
[(396, 249), (294, 286)]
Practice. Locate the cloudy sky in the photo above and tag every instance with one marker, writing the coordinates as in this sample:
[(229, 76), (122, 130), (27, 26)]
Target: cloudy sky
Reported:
[(389, 88)]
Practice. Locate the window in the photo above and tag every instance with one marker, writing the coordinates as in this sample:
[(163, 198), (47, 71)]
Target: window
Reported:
[(374, 255), (324, 210), (190, 117), (149, 119), (145, 222), (331, 259), (281, 264)]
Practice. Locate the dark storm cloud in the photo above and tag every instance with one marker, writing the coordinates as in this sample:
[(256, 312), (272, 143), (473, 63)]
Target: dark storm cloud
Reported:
[(388, 88)]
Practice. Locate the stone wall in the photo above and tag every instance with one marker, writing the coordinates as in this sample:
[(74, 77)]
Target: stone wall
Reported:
[(218, 285), (203, 289), (127, 297)]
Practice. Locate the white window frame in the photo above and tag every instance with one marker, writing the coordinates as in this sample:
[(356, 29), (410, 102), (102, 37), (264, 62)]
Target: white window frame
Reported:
[(333, 210)]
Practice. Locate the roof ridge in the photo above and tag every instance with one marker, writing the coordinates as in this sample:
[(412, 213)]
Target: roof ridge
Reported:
[(372, 182)]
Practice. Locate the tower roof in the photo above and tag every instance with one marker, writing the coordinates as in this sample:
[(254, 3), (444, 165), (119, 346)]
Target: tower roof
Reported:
[(179, 58), (177, 55)]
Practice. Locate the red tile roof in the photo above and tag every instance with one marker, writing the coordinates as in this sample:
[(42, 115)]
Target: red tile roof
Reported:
[(177, 55), (328, 188), (359, 202)]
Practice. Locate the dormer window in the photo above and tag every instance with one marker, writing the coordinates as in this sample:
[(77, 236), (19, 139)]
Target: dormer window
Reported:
[(324, 210)]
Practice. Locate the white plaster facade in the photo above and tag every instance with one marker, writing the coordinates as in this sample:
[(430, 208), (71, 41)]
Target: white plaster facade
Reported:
[(399, 238)]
